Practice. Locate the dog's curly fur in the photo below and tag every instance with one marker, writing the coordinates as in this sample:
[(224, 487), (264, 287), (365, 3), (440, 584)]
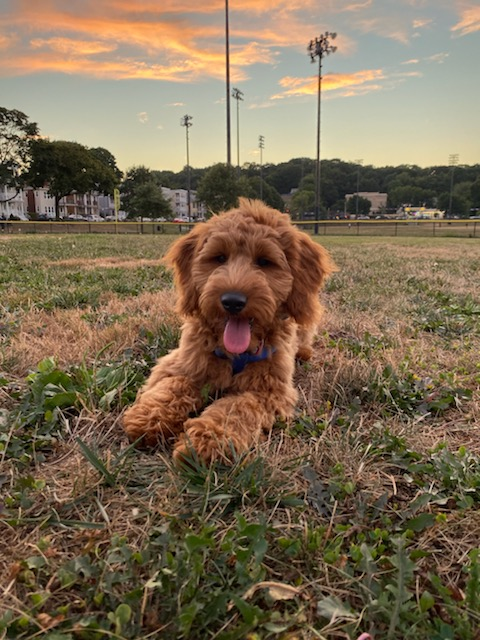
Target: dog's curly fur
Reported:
[(251, 269)]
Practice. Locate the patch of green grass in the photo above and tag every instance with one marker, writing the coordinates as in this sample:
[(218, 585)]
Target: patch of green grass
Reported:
[(407, 394), (52, 396)]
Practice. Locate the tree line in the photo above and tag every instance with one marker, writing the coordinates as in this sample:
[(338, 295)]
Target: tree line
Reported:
[(27, 159)]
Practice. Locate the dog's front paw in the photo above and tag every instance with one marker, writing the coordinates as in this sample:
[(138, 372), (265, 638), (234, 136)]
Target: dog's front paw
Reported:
[(205, 439), (148, 425)]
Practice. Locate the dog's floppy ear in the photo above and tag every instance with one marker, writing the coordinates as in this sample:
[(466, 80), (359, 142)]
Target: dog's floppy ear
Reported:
[(310, 264), (180, 258)]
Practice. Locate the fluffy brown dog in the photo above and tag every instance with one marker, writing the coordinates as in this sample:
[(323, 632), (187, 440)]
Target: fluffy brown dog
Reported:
[(248, 284)]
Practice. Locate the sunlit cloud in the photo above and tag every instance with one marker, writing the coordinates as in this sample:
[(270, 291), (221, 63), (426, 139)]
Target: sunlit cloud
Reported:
[(439, 58), (358, 6), (385, 27), (411, 61), (142, 117), (294, 87), (420, 23), (69, 46), (469, 20), (7, 40), (183, 41)]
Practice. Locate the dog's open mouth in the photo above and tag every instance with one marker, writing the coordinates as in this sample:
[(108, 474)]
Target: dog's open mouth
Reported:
[(237, 335)]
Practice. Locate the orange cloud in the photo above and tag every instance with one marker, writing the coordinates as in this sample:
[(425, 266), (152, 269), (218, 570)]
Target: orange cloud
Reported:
[(469, 20), (330, 82), (76, 47), (175, 48), (358, 6)]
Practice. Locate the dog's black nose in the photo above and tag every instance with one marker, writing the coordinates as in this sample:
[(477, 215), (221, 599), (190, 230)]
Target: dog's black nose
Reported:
[(233, 301)]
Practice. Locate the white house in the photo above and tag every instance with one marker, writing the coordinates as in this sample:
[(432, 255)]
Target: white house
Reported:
[(12, 203)]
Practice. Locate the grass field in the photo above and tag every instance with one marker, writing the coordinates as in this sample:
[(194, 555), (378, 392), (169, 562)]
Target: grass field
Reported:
[(360, 516)]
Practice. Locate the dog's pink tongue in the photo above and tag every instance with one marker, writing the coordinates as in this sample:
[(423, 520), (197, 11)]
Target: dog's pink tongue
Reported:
[(236, 336)]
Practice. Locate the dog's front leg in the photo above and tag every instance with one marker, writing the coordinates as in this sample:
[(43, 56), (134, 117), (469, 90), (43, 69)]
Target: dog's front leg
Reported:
[(160, 410), (230, 426)]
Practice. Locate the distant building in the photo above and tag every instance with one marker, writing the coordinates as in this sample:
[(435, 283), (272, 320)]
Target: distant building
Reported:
[(12, 203), (39, 203), (378, 200), (106, 208), (178, 199), (79, 206)]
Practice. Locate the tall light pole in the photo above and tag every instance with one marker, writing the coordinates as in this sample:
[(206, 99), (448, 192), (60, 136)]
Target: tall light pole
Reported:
[(319, 47), (452, 162), (186, 122), (359, 164), (238, 95), (227, 64), (261, 146)]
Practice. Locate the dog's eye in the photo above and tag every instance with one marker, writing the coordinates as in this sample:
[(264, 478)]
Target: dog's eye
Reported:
[(221, 258), (263, 262)]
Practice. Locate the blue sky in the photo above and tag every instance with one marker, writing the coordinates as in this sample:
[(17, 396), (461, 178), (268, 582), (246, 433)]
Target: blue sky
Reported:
[(402, 88)]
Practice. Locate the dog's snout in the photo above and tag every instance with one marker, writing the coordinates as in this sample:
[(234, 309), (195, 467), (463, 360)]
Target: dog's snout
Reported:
[(233, 301)]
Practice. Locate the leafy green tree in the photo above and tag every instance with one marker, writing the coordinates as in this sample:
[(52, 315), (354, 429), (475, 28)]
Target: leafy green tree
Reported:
[(219, 189), (148, 201), (16, 135), (364, 206), (475, 193), (134, 177), (261, 190), (303, 201), (65, 167), (107, 159), (459, 201), (287, 176), (412, 195)]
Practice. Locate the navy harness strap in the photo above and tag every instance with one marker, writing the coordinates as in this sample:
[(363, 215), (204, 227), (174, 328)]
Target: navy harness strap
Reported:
[(240, 361)]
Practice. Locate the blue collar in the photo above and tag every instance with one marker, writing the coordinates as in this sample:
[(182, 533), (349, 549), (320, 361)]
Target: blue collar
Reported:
[(240, 360)]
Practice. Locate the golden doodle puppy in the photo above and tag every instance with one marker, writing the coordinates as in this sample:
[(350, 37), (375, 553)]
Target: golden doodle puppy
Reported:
[(248, 283)]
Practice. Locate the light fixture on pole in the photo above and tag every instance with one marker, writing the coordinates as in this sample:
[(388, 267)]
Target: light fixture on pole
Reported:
[(452, 162), (186, 122), (261, 146), (359, 163), (238, 95), (319, 48)]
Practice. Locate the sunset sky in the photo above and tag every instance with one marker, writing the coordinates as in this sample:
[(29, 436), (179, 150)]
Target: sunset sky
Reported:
[(402, 88)]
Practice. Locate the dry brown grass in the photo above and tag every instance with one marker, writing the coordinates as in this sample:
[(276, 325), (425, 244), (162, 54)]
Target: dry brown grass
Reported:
[(377, 308), (73, 336)]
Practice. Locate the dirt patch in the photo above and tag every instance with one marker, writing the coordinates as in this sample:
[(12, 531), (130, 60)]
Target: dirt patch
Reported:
[(106, 263)]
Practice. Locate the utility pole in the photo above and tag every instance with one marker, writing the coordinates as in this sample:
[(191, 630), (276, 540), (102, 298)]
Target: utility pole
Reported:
[(227, 64), (238, 95), (319, 48), (186, 122), (261, 146)]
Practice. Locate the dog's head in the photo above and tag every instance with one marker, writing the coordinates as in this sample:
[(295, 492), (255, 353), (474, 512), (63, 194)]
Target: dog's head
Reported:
[(246, 269)]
